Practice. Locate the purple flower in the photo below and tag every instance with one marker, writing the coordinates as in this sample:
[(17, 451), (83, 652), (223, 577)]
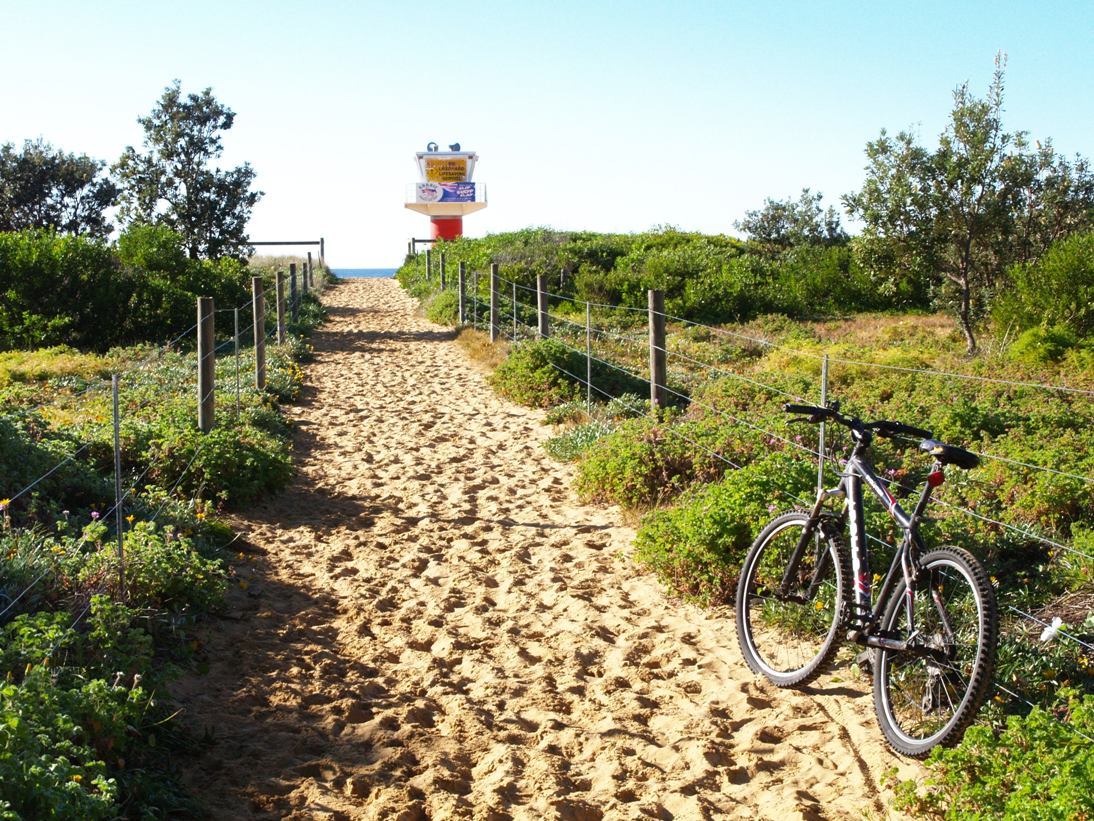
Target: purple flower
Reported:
[(95, 515)]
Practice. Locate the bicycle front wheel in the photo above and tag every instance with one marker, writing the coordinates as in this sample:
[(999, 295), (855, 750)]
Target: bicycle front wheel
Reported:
[(927, 695), (789, 634)]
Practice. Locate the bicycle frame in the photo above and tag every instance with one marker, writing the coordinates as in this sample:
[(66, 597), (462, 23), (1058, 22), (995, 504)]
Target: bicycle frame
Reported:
[(863, 616)]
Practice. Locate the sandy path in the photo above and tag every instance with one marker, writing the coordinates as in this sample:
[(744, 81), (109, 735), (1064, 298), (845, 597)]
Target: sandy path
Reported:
[(438, 630)]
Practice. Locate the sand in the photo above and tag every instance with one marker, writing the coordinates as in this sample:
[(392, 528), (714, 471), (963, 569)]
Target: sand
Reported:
[(431, 626)]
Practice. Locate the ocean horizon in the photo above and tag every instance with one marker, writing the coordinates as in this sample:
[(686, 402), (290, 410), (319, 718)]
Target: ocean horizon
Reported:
[(360, 273)]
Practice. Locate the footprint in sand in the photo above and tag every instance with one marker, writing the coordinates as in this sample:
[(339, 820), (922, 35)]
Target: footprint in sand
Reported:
[(442, 631)]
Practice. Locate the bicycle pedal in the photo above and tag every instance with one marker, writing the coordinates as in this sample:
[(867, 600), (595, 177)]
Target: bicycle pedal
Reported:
[(865, 661)]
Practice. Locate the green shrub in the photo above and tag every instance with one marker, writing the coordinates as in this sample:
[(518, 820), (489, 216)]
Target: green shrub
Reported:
[(443, 308), (638, 465), (570, 445), (310, 314), (536, 374), (698, 546), (235, 465), (163, 570), (48, 768), (1037, 346), (77, 291), (28, 452), (1036, 768), (1056, 291)]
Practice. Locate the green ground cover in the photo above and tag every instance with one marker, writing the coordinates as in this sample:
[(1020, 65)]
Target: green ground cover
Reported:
[(85, 646), (703, 476)]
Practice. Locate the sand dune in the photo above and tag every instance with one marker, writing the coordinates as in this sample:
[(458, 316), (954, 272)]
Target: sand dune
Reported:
[(436, 629)]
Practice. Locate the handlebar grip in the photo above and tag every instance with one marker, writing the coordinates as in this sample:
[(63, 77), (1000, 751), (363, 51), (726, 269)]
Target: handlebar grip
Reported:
[(812, 410)]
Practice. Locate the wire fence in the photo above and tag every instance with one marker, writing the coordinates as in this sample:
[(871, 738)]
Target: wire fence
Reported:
[(627, 355), (229, 352)]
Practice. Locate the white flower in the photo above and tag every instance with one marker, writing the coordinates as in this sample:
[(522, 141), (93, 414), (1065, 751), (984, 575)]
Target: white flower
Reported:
[(1049, 633)]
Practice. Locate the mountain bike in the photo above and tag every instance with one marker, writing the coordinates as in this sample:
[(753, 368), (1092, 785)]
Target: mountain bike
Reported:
[(931, 630)]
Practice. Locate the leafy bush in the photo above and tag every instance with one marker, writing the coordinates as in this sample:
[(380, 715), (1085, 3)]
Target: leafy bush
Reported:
[(698, 546), (536, 374), (1055, 292), (638, 465), (570, 445), (28, 452), (704, 277), (163, 571), (443, 308), (1037, 346), (48, 768), (61, 289), (233, 464), (1036, 768)]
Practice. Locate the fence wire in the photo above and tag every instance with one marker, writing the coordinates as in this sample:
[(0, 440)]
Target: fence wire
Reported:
[(606, 334), (145, 364)]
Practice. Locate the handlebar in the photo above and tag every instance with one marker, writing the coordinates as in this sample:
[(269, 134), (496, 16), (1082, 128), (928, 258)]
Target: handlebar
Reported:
[(862, 432), (882, 427)]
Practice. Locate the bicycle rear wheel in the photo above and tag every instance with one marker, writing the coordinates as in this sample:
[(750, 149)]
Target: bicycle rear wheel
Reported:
[(928, 696), (792, 637)]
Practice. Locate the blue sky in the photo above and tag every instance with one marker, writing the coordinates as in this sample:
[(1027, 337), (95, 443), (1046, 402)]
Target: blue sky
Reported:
[(586, 115)]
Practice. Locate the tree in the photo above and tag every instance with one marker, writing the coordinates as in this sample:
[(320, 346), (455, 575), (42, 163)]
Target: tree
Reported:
[(964, 212), (175, 184), (785, 223), (42, 187)]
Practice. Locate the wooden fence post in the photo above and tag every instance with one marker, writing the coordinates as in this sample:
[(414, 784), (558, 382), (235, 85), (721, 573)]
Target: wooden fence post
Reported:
[(428, 264), (322, 251), (657, 349), (206, 364), (311, 273), (292, 290), (541, 304), (443, 279), (258, 304), (461, 285), (493, 302), (280, 292), (475, 299)]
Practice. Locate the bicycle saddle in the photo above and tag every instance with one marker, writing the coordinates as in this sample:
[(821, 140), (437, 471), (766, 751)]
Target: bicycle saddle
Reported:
[(950, 454)]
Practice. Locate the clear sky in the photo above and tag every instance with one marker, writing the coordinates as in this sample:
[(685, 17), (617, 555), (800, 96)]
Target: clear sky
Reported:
[(611, 116)]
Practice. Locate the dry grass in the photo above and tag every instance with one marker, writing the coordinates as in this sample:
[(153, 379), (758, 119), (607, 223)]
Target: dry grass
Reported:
[(279, 262), (482, 351)]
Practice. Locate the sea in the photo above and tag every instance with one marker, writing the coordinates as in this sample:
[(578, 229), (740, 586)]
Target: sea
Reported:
[(359, 273)]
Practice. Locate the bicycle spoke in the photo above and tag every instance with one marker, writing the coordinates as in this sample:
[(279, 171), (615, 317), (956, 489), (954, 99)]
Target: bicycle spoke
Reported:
[(925, 695), (789, 636)]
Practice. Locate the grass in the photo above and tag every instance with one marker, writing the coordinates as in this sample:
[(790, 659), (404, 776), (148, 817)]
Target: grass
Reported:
[(64, 632), (51, 363), (477, 345)]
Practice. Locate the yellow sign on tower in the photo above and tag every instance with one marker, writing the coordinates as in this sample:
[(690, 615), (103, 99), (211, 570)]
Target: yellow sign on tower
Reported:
[(446, 169)]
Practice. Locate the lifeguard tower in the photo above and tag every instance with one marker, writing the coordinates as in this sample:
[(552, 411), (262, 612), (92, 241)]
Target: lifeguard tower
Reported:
[(445, 191)]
